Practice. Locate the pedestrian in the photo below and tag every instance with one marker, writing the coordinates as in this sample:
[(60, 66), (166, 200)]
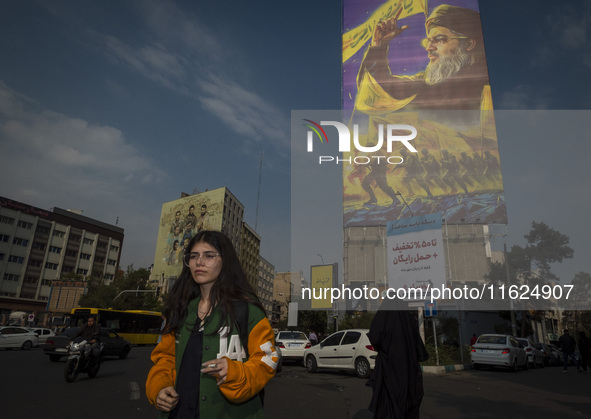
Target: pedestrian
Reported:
[(473, 339), (585, 350), (397, 379), (313, 338), (567, 346), (217, 350)]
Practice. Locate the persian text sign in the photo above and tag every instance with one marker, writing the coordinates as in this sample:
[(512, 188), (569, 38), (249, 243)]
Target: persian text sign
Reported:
[(415, 252)]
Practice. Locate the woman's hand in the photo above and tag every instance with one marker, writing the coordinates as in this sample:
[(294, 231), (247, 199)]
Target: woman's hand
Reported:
[(167, 399), (217, 368)]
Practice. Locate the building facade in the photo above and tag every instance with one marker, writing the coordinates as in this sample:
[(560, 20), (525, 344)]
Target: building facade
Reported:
[(264, 286), (218, 210), (37, 247)]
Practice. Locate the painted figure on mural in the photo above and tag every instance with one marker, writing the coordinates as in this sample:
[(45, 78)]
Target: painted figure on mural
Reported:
[(456, 76)]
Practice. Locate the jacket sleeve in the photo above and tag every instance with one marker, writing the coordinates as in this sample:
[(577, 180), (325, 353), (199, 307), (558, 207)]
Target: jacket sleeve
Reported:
[(163, 373), (246, 379)]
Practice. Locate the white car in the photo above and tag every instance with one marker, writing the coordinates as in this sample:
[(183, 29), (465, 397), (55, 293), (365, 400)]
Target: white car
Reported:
[(17, 337), (344, 350), (498, 350), (43, 333), (535, 357), (292, 345)]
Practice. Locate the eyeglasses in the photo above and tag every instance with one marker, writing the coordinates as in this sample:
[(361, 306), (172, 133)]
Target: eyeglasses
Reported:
[(207, 258), (439, 40)]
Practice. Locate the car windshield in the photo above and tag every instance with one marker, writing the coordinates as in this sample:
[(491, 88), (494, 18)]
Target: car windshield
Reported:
[(492, 339), (292, 335)]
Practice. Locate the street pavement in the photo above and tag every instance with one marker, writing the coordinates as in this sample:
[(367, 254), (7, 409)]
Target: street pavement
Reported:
[(32, 387)]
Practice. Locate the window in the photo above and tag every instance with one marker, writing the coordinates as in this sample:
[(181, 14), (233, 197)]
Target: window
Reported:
[(49, 265), (11, 277), (38, 246), (58, 233), (75, 238), (87, 241), (24, 224), (351, 338), (82, 271), (4, 238), (114, 249), (16, 259), (84, 256), (109, 276), (42, 229), (111, 262), (46, 282), (20, 242), (35, 262), (6, 220), (66, 269), (31, 280), (334, 339), (54, 249), (72, 253)]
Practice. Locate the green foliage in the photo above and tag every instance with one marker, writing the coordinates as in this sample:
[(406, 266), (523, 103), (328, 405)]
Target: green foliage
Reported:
[(357, 320), (448, 354), (109, 296), (312, 320)]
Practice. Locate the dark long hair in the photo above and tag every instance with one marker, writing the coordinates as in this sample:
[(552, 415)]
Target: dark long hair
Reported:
[(230, 286)]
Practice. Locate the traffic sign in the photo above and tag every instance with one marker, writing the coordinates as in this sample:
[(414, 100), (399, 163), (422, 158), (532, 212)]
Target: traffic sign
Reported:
[(430, 308)]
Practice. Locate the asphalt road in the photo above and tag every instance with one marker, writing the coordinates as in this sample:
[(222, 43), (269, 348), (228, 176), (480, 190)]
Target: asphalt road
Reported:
[(33, 387)]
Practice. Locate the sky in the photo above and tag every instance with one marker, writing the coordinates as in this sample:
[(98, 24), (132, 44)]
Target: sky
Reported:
[(114, 108)]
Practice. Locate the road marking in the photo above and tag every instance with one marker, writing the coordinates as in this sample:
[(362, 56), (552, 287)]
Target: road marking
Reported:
[(135, 391)]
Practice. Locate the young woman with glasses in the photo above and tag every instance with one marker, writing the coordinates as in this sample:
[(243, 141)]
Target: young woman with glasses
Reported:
[(201, 367)]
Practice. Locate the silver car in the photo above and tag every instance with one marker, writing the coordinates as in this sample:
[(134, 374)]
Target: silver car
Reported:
[(18, 337), (535, 357), (498, 350)]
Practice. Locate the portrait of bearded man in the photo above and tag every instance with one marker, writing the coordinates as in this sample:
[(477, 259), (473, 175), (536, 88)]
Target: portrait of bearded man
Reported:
[(456, 77)]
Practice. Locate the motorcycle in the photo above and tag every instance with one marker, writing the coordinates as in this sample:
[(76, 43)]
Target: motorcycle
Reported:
[(80, 360)]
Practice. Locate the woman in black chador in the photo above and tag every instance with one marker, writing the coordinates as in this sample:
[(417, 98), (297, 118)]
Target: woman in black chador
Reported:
[(397, 379)]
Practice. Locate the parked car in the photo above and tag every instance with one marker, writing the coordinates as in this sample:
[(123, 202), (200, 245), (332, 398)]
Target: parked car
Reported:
[(292, 345), (18, 337), (43, 333), (498, 350), (344, 350), (534, 356), (557, 352), (113, 344), (550, 357)]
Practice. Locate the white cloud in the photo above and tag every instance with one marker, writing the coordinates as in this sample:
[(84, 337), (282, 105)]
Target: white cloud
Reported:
[(183, 55), (55, 149)]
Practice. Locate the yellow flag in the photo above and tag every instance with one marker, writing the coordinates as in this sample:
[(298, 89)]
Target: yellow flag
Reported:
[(354, 39)]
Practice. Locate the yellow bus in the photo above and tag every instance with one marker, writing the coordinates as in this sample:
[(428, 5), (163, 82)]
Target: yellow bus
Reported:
[(137, 326)]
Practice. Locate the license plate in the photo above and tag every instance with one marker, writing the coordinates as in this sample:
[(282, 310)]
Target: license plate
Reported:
[(486, 351), (294, 345), (61, 350)]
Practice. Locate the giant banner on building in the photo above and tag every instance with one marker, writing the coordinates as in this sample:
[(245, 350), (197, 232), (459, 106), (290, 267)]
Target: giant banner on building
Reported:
[(417, 100), (179, 222)]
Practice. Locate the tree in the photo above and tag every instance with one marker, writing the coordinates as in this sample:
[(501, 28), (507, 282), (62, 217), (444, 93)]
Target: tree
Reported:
[(109, 296), (531, 265)]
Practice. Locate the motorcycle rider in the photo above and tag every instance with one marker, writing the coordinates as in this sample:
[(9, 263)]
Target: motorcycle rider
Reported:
[(91, 332)]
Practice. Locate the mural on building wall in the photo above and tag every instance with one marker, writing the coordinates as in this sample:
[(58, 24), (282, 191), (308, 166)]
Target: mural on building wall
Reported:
[(422, 65), (179, 222)]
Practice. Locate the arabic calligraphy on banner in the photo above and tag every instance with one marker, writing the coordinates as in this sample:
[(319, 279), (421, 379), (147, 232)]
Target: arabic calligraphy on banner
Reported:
[(415, 252)]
